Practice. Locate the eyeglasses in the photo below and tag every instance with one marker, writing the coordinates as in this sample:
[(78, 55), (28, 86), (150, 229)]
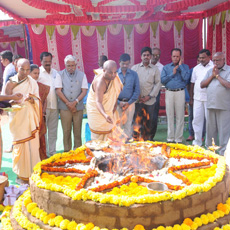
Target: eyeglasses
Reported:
[(156, 55)]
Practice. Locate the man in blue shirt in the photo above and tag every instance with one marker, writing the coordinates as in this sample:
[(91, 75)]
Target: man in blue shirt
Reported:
[(175, 77), (129, 94)]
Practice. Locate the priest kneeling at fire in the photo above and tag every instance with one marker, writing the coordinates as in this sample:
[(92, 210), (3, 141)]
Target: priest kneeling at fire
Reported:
[(25, 123), (102, 102)]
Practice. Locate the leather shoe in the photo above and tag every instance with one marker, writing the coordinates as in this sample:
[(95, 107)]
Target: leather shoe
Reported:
[(190, 138)]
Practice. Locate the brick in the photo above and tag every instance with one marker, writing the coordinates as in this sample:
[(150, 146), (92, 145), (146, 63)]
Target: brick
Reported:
[(199, 198), (73, 213), (219, 188), (140, 210), (210, 226), (223, 220), (169, 206), (45, 193), (194, 211), (59, 198), (211, 204), (83, 206), (101, 221), (227, 181), (130, 223), (167, 219), (112, 210), (225, 196), (43, 204), (56, 208)]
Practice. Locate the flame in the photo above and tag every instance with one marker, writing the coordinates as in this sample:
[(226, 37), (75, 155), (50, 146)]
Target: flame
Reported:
[(134, 159), (141, 126)]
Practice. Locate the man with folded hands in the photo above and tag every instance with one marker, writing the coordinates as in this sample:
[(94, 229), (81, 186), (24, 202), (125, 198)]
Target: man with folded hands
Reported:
[(175, 77)]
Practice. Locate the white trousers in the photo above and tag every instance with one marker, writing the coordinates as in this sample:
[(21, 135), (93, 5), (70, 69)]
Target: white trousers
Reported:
[(175, 103), (199, 114), (126, 119), (52, 125)]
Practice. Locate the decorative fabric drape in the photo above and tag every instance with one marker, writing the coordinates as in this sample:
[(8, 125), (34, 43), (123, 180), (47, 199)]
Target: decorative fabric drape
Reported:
[(87, 43), (218, 39)]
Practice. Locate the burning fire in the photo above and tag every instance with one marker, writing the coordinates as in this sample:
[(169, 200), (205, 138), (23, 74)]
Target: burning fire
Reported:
[(133, 158), (141, 126)]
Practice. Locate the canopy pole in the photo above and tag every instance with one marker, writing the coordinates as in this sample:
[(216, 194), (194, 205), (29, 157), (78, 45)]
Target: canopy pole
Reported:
[(204, 33), (25, 40)]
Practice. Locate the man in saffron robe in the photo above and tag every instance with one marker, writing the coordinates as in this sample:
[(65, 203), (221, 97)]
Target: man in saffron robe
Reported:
[(25, 123), (102, 102)]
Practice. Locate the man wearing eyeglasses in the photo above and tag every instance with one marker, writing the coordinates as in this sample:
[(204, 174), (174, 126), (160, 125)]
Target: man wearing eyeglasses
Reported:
[(217, 82), (129, 94), (150, 83)]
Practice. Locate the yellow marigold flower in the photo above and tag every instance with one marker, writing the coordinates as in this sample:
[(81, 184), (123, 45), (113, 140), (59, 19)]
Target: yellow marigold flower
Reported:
[(160, 228), (1, 208), (42, 215), (204, 219), (194, 226), (58, 220), (79, 226), (221, 213), (34, 211), (27, 201), (96, 228), (185, 227), (51, 222), (169, 228), (46, 219), (139, 227), (177, 227), (89, 226), (216, 214), (72, 225), (31, 206), (38, 213), (226, 227), (216, 228), (64, 224), (211, 218), (198, 221)]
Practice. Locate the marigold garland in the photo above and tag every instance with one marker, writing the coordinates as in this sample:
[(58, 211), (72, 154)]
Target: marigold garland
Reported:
[(82, 194), (59, 221)]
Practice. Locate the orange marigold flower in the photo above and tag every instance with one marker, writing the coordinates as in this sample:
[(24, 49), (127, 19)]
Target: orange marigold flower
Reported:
[(139, 227), (188, 221)]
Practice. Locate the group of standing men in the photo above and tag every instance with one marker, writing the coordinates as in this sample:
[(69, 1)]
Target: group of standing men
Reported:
[(69, 84), (138, 100), (130, 96)]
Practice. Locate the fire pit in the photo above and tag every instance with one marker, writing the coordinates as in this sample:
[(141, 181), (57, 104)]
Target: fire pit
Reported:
[(136, 162)]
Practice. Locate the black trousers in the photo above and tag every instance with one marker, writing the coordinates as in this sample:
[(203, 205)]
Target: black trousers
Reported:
[(155, 114), (143, 122)]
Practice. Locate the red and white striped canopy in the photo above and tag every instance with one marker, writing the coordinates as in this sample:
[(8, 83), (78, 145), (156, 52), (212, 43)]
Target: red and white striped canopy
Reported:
[(109, 11)]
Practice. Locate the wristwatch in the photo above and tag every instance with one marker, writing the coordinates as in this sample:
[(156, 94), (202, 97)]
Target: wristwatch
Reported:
[(150, 96), (77, 100)]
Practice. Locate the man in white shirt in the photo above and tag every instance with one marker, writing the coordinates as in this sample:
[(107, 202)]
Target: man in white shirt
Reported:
[(6, 60), (199, 96), (71, 87), (47, 76), (156, 54)]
